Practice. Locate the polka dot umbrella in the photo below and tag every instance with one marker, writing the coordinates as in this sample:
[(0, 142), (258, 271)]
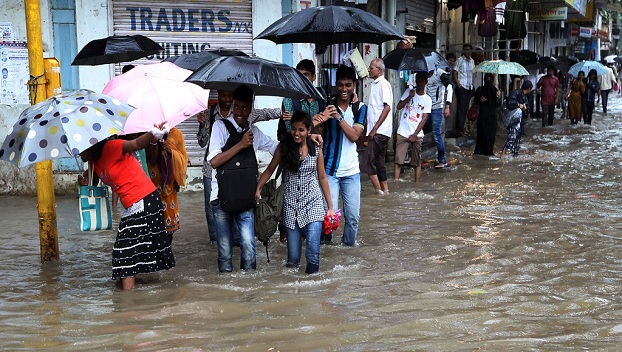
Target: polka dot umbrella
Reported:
[(63, 126)]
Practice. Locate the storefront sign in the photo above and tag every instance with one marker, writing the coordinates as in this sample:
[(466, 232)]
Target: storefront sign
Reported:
[(554, 14), (586, 32)]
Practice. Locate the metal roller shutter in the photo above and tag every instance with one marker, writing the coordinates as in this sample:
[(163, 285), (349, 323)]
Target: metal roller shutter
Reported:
[(182, 27), (420, 15)]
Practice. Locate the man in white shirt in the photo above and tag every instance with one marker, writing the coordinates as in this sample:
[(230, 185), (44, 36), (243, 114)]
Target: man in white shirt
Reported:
[(463, 78), (379, 127), (417, 105), (606, 83), (217, 157)]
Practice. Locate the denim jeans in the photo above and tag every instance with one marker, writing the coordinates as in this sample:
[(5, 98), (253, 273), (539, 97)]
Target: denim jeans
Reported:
[(226, 224), (437, 131), (312, 252), (350, 189), (209, 212)]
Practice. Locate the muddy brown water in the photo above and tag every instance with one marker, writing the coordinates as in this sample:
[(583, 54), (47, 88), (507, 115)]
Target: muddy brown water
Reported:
[(523, 254)]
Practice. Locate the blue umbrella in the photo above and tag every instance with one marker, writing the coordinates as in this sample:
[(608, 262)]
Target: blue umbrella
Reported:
[(586, 66)]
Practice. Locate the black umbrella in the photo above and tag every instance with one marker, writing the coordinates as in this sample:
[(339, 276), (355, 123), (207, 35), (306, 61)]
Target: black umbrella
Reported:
[(544, 62), (566, 62), (525, 57), (116, 49), (194, 61), (422, 60), (326, 25), (265, 77)]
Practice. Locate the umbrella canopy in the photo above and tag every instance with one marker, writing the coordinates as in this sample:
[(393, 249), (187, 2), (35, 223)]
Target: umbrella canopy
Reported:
[(610, 59), (265, 77), (194, 61), (326, 25), (63, 126), (501, 67), (159, 93), (421, 60), (545, 62), (586, 66), (116, 49)]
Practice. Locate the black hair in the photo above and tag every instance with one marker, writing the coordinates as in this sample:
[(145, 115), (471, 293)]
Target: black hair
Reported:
[(489, 75), (98, 148), (243, 93), (526, 85), (592, 71), (421, 74), (306, 65), (450, 56), (290, 153), (345, 72)]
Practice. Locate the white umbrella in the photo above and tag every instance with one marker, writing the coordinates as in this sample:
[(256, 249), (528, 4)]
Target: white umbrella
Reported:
[(610, 59)]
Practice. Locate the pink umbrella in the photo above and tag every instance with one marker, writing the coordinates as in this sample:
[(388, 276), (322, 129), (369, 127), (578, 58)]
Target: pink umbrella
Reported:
[(159, 93)]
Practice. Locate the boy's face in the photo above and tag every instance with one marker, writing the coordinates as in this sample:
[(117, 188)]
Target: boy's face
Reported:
[(225, 98), (421, 81), (345, 87), (241, 111), (310, 75)]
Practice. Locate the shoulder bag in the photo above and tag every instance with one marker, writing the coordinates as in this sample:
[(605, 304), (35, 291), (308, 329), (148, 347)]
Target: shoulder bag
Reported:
[(94, 204)]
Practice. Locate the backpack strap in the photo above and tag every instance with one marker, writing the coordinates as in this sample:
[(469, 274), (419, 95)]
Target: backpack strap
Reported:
[(230, 128), (296, 104)]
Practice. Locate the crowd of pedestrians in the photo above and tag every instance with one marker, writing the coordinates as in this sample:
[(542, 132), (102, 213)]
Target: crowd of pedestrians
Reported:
[(316, 152)]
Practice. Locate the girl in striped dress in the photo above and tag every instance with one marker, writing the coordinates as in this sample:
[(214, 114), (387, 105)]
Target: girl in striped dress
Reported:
[(305, 190), (142, 244)]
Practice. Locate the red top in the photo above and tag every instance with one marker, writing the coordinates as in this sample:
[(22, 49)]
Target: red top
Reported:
[(123, 173), (549, 85)]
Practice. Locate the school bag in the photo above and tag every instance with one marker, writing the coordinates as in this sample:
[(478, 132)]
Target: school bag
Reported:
[(237, 178)]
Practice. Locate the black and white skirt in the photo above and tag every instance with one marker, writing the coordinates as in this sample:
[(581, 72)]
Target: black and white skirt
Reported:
[(142, 244)]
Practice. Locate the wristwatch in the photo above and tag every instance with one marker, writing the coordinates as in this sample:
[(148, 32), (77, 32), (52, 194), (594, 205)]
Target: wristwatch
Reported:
[(340, 119)]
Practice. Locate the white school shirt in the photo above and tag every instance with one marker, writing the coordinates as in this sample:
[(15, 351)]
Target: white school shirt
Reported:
[(219, 137), (412, 114), (381, 93)]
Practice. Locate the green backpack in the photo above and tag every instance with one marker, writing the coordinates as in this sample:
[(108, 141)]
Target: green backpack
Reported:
[(268, 211)]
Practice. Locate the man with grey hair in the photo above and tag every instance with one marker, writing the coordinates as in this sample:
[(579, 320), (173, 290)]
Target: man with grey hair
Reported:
[(379, 127)]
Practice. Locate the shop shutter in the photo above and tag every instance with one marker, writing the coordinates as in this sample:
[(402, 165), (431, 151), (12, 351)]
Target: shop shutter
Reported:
[(420, 16), (182, 27)]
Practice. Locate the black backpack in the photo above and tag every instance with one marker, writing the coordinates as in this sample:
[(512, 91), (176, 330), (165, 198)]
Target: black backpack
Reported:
[(237, 178)]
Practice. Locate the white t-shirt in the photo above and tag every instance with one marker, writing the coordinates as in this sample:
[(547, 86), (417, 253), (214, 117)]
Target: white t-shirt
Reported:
[(412, 114), (219, 137), (381, 93)]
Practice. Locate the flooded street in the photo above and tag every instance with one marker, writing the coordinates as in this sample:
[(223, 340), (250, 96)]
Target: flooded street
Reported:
[(523, 254)]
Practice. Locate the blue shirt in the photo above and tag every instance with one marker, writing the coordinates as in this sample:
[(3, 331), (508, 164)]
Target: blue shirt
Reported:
[(340, 154)]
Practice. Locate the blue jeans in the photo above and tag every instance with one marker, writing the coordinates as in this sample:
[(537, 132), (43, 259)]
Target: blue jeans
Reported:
[(209, 212), (312, 252), (350, 189), (226, 224), (437, 132)]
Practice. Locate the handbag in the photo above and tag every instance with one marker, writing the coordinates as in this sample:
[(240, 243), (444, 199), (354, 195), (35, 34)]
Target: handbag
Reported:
[(511, 117), (473, 112), (94, 204)]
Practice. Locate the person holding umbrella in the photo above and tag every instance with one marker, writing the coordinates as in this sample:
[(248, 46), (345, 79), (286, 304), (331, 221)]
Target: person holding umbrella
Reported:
[(592, 90), (142, 244)]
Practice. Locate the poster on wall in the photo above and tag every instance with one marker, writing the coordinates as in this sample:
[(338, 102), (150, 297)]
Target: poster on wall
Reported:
[(15, 73), (6, 31)]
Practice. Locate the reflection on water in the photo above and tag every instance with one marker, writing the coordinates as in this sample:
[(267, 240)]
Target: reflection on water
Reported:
[(520, 254)]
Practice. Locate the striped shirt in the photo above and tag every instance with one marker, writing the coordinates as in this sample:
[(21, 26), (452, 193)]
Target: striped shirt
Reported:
[(465, 67), (340, 155), (303, 201)]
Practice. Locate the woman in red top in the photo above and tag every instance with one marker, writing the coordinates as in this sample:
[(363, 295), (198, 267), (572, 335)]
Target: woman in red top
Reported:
[(142, 244)]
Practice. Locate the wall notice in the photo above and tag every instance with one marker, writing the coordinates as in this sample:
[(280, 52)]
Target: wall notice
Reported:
[(15, 73)]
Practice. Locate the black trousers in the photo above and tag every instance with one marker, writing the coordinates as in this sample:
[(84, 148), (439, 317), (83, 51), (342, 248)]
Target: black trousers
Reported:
[(463, 97), (604, 95)]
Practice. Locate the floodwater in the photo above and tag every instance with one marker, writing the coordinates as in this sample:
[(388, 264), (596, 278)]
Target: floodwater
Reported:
[(523, 254)]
